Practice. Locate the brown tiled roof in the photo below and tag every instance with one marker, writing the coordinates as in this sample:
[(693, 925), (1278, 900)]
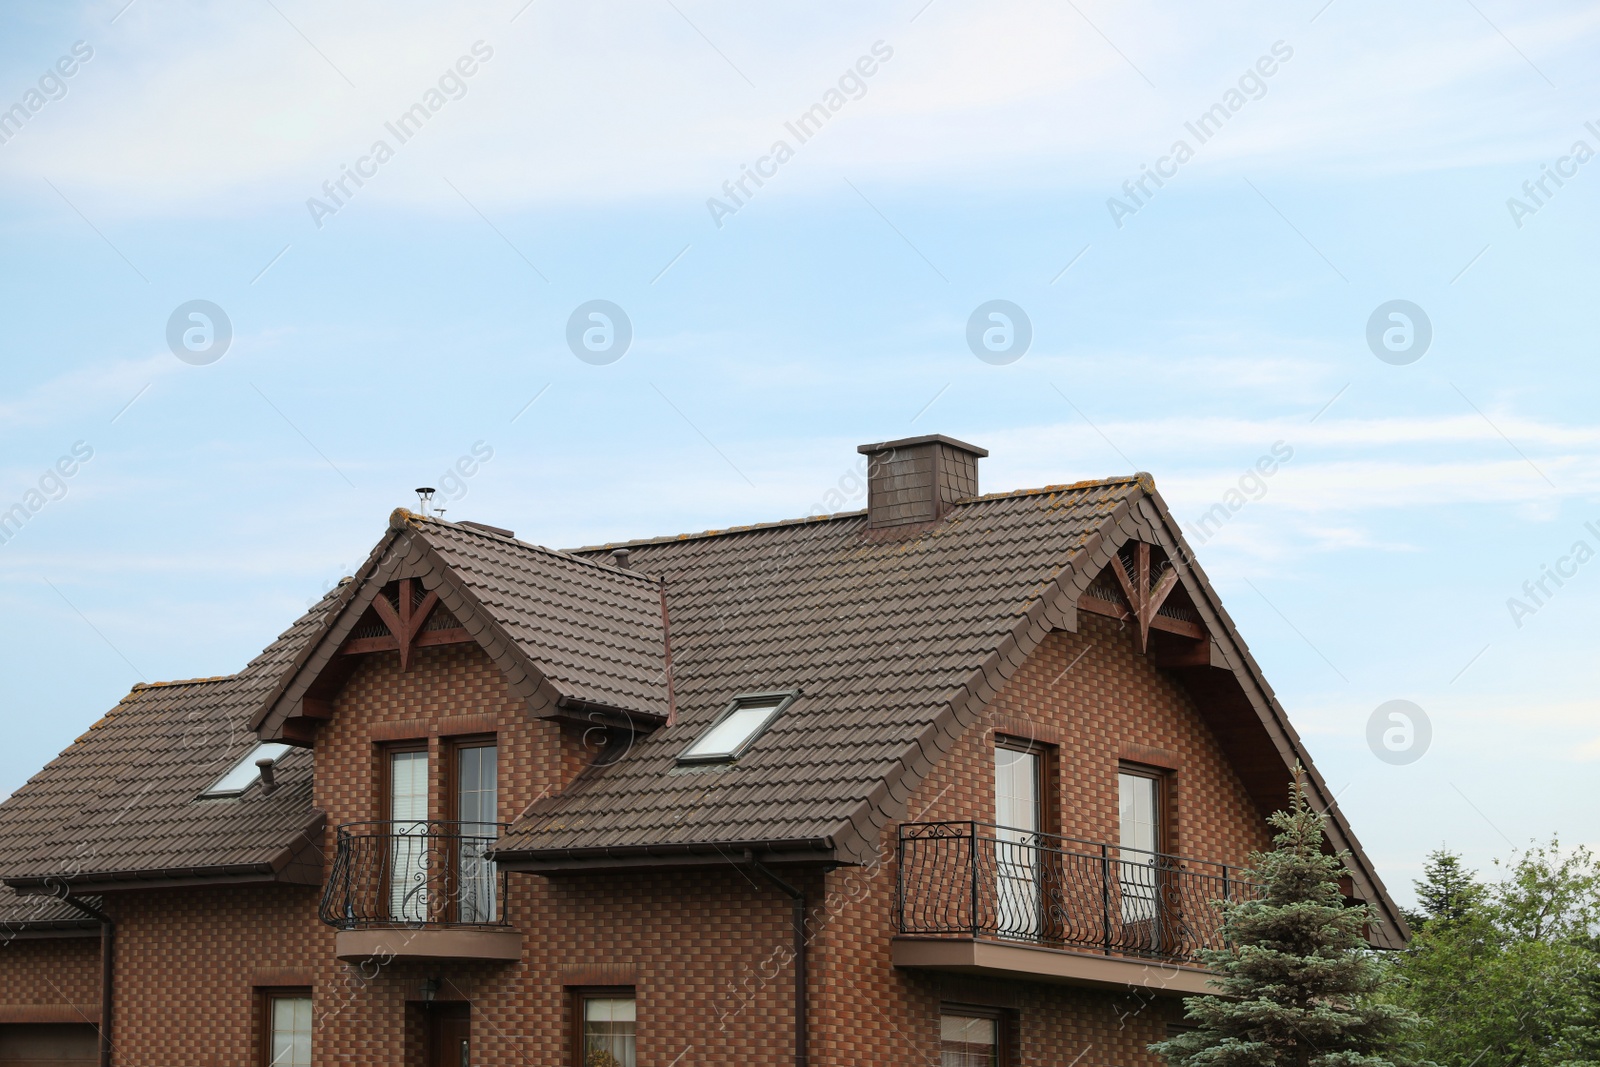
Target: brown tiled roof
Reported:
[(879, 636), (591, 629), (31, 914), (565, 630), (121, 800), (896, 645)]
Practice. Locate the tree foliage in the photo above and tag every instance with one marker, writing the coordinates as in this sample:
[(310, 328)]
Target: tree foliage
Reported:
[(1507, 974), (1299, 982)]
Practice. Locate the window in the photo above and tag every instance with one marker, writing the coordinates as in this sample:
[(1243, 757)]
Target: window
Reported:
[(969, 1040), (1140, 820), (286, 1029), (603, 1028), (477, 807), (1017, 779), (737, 727), (245, 773), (408, 811)]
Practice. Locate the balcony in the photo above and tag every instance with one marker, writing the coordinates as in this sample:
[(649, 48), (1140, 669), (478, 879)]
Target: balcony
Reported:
[(419, 890), (983, 899)]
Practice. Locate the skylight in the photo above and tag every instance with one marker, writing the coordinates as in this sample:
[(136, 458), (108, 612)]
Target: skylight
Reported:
[(736, 728), (245, 773)]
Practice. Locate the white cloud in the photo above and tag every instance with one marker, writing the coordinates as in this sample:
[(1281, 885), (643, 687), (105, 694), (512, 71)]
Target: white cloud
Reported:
[(230, 108)]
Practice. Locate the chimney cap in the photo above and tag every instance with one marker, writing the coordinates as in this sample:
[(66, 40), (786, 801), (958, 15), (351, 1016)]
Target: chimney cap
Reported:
[(619, 558), (907, 442)]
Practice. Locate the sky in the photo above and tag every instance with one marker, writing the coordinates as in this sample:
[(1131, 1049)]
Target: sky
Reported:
[(398, 219)]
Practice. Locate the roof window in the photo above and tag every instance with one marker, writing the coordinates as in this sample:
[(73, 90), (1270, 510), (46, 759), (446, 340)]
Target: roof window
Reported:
[(737, 728), (245, 773)]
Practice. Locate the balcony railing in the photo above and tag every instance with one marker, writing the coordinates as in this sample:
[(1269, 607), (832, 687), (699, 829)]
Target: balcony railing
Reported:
[(414, 874), (978, 880)]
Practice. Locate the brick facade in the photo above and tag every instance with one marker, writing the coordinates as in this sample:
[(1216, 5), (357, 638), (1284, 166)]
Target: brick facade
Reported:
[(706, 950)]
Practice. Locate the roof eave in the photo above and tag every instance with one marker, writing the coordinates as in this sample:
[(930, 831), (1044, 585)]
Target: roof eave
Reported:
[(818, 851)]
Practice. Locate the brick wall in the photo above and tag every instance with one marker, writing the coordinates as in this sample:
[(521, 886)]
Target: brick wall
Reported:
[(51, 971), (698, 947), (1093, 695), (186, 963)]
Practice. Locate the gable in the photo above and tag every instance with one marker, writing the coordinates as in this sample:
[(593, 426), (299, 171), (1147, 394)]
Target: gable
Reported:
[(573, 637)]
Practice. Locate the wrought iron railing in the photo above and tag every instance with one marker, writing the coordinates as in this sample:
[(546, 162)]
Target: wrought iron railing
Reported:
[(979, 880), (414, 873)]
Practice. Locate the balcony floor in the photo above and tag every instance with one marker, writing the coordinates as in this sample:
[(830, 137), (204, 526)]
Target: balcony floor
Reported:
[(429, 944), (1018, 960)]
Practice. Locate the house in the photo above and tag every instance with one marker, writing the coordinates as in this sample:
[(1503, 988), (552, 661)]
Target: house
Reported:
[(952, 779)]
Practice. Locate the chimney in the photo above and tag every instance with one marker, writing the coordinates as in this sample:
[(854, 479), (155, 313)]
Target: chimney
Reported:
[(619, 558), (915, 480)]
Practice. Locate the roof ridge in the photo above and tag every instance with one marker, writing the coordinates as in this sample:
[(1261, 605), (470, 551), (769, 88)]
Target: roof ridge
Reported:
[(1139, 478), (559, 553), (183, 681), (1132, 479)]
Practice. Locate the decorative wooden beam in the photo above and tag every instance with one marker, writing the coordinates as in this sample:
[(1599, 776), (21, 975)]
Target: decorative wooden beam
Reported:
[(1166, 624), (405, 626), (1196, 654), (453, 635), (1142, 600), (316, 707)]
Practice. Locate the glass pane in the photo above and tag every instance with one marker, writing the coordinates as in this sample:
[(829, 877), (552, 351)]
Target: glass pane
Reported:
[(291, 1032), (408, 861), (1016, 805), (1016, 789), (1136, 801), (608, 1032), (243, 775), (408, 785), (477, 805), (966, 1041), (726, 737)]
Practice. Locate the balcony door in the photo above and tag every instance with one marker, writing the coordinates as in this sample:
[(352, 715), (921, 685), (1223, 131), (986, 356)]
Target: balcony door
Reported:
[(408, 848), (1018, 815), (1138, 871), (477, 808)]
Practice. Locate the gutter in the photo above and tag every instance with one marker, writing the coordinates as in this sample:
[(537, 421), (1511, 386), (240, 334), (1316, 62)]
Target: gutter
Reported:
[(600, 857), (801, 1044), (107, 946)]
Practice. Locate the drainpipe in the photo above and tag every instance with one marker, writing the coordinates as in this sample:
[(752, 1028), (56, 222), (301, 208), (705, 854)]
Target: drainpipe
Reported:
[(108, 931), (800, 997)]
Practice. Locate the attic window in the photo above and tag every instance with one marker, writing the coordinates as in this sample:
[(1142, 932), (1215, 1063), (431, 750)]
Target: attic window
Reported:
[(737, 728), (245, 773)]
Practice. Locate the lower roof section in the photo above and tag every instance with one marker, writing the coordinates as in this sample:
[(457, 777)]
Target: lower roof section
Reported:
[(996, 959)]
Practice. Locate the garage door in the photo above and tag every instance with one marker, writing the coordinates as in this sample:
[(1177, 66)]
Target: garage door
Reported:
[(49, 1045)]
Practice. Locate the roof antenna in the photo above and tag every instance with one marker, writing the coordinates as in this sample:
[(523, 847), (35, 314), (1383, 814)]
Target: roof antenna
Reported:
[(425, 498)]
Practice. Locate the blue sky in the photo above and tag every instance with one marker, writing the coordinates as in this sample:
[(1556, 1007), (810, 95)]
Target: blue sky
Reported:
[(375, 345)]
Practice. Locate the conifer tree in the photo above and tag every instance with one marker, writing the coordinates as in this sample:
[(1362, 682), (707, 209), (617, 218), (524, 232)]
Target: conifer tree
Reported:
[(1298, 978), (1448, 892)]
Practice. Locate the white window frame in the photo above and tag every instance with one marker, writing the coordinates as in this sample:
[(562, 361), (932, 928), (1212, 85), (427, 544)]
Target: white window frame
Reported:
[(246, 766), (784, 698)]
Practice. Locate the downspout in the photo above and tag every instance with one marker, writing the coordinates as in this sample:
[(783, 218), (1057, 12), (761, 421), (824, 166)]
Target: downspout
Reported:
[(800, 996), (108, 931)]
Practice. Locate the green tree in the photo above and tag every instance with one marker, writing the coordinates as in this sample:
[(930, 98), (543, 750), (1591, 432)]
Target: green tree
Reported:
[(1511, 976), (1448, 892), (1299, 981)]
